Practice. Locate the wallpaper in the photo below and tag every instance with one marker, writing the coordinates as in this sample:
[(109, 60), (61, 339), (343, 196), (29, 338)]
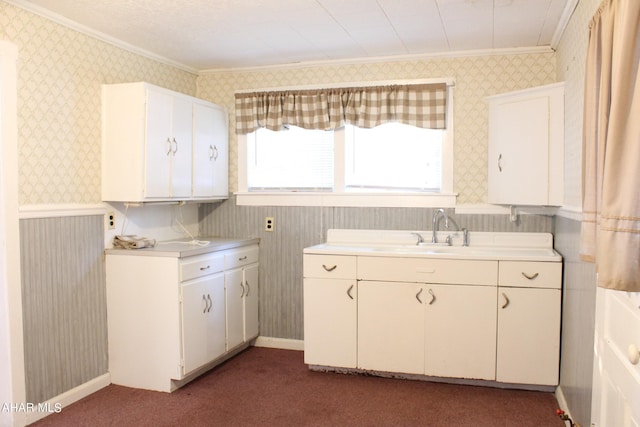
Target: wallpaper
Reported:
[(60, 72), (476, 77)]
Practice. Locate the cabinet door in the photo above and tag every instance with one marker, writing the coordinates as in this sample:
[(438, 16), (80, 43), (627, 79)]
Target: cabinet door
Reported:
[(210, 151), (391, 327), (330, 322), (519, 151), (460, 331), (182, 143), (235, 313), (158, 147), (251, 298), (528, 346), (203, 321)]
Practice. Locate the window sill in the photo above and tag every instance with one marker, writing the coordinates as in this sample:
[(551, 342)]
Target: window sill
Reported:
[(404, 200)]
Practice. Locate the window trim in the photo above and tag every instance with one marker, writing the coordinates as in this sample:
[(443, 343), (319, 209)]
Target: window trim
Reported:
[(445, 198)]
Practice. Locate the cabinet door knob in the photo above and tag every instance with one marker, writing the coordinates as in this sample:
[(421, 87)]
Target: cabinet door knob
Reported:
[(633, 354), (530, 277), (349, 292), (433, 297), (333, 267), (506, 300)]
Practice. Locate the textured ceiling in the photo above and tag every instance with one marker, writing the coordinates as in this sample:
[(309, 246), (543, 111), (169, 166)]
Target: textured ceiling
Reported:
[(215, 34)]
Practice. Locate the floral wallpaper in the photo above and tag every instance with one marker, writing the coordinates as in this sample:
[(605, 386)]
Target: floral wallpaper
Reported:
[(60, 71)]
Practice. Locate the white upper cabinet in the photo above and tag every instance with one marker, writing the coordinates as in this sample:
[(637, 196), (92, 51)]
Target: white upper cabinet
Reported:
[(210, 151), (526, 146), (160, 145)]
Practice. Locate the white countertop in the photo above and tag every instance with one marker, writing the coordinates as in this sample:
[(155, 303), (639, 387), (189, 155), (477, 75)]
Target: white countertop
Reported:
[(186, 247)]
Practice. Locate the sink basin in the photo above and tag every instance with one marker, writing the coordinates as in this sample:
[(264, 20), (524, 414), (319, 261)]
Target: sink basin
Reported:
[(466, 251)]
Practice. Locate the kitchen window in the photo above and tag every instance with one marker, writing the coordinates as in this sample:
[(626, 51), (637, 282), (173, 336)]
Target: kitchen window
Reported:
[(391, 164)]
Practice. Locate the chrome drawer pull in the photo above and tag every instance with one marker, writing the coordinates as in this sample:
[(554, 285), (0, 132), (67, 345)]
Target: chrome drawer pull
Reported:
[(246, 282), (418, 295), (242, 286), (506, 300), (349, 292), (210, 303), (529, 277), (243, 258), (329, 268), (205, 268), (433, 297), (206, 304)]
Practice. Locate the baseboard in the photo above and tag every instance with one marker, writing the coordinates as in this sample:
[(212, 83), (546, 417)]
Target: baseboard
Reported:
[(59, 402), (281, 343), (562, 402)]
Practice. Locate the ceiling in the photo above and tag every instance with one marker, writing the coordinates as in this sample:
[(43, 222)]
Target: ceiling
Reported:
[(219, 34)]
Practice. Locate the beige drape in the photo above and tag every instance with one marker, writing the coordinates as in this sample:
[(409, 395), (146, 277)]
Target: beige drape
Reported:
[(611, 146), (423, 106)]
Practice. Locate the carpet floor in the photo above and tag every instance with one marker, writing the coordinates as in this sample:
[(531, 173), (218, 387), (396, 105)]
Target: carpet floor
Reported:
[(270, 387)]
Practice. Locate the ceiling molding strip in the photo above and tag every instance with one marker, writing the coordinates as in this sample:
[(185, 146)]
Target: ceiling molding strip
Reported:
[(569, 8)]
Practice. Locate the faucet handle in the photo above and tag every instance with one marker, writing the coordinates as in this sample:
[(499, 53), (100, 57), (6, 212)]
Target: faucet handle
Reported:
[(420, 238)]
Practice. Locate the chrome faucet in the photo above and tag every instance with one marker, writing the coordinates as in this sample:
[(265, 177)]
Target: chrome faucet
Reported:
[(435, 223)]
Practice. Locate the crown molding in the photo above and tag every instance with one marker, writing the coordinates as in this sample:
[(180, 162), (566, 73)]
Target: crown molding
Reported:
[(66, 22)]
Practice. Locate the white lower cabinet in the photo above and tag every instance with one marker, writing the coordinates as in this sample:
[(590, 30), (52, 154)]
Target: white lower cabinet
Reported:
[(487, 320), (529, 301), (330, 310), (390, 327), (203, 321), (167, 315), (242, 294), (435, 330), (330, 317), (460, 331)]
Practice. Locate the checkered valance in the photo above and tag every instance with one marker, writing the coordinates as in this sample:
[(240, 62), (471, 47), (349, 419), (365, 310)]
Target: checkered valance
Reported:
[(423, 105)]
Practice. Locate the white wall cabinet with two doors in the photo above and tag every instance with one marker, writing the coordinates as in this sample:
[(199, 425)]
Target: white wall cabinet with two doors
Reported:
[(474, 319), (172, 317), (160, 145)]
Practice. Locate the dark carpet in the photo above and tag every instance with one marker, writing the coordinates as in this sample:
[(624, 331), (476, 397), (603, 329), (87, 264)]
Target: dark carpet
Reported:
[(269, 387)]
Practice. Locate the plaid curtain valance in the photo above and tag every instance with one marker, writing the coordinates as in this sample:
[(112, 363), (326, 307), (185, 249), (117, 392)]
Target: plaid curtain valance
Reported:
[(423, 105)]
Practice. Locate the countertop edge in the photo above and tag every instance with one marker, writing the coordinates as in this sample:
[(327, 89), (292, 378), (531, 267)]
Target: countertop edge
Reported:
[(355, 251), (173, 248)]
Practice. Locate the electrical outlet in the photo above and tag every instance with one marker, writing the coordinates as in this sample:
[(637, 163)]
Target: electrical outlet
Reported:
[(269, 223), (111, 220)]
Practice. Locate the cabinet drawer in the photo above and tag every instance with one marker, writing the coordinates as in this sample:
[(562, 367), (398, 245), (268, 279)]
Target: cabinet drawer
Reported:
[(531, 274), (334, 266), (201, 265), (240, 257), (424, 270)]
